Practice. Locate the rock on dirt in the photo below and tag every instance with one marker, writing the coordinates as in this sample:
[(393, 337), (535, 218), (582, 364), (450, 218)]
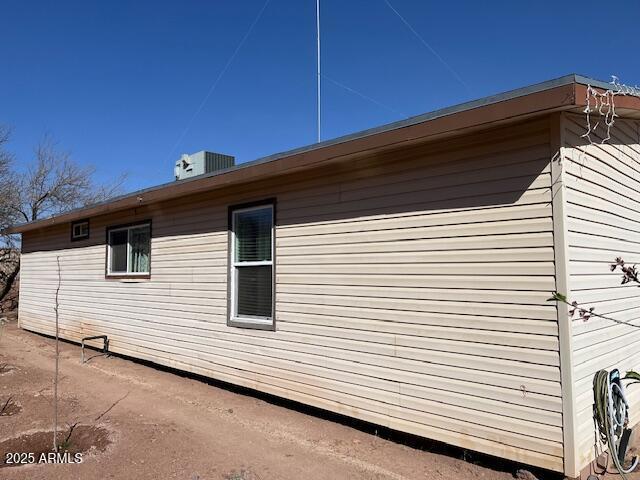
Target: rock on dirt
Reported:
[(525, 475)]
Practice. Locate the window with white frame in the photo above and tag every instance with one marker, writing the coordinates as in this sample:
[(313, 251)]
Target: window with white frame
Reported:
[(251, 265), (129, 250), (80, 230)]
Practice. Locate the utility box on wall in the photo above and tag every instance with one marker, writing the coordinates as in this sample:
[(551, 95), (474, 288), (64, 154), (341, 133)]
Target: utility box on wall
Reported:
[(200, 163)]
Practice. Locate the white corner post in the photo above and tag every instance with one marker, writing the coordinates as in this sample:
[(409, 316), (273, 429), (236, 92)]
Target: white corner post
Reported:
[(561, 256)]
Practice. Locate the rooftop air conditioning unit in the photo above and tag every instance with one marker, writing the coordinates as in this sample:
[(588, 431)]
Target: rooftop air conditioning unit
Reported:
[(200, 163)]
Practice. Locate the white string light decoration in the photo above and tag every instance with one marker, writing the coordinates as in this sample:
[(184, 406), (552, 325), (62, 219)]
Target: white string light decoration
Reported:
[(603, 104)]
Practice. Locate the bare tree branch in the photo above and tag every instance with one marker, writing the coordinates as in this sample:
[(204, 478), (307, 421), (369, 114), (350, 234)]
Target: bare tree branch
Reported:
[(5, 406), (6, 159), (57, 367), (50, 185), (630, 274)]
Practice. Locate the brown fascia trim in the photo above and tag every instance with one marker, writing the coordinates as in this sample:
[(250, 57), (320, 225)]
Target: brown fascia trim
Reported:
[(539, 102), (621, 101)]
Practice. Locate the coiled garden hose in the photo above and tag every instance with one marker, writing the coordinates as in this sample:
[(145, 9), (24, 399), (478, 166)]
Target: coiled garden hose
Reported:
[(611, 412)]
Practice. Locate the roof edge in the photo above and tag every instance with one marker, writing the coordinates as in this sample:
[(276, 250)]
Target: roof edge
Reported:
[(103, 207)]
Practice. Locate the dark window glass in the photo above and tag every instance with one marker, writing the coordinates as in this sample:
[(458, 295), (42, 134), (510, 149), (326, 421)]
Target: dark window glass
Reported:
[(118, 245), (253, 235), (253, 263), (140, 249), (80, 230), (254, 291)]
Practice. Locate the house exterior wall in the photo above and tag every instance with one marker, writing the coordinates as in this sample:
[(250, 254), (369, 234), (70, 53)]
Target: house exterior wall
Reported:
[(411, 292), (602, 215)]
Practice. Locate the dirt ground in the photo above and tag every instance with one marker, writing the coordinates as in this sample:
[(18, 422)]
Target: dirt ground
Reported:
[(162, 425)]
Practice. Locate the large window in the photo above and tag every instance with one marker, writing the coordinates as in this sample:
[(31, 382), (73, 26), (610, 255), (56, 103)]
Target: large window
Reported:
[(251, 265), (129, 250)]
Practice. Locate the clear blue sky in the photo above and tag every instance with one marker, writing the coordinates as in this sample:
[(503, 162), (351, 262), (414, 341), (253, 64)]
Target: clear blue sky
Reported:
[(118, 82)]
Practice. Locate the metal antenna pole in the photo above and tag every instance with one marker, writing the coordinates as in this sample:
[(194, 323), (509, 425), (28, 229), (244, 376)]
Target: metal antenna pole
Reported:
[(318, 55)]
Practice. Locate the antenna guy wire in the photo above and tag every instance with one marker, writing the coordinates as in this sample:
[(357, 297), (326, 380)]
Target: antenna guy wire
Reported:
[(219, 77), (431, 49), (318, 64)]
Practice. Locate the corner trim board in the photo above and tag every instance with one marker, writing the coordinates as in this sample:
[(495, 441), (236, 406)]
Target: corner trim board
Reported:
[(565, 334)]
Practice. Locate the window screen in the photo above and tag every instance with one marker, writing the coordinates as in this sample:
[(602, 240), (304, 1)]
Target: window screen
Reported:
[(118, 246), (252, 265), (140, 248), (254, 291)]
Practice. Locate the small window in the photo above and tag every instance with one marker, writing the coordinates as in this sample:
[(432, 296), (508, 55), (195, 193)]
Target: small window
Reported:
[(80, 230), (251, 267), (129, 250)]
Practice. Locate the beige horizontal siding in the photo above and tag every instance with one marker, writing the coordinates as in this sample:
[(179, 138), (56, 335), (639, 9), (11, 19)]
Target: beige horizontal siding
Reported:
[(603, 222), (411, 292)]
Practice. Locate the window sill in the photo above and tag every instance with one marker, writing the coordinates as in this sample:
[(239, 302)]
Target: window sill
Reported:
[(252, 323), (144, 276)]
